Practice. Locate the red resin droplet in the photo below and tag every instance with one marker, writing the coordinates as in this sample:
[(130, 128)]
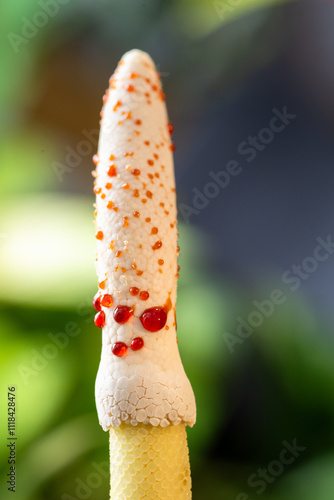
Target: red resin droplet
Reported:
[(119, 349), (100, 319), (157, 245), (154, 319), (144, 295), (106, 300), (122, 314), (170, 128), (137, 344), (97, 302)]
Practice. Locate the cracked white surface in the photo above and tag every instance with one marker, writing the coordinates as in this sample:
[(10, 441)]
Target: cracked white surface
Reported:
[(148, 385)]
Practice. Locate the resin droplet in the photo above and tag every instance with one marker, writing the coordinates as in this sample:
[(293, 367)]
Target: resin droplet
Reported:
[(137, 344), (154, 319), (100, 319), (119, 349), (97, 302), (122, 314), (134, 290), (106, 300)]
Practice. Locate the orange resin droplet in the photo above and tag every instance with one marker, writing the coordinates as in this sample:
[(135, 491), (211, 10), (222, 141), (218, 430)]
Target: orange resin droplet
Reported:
[(170, 128), (108, 185), (130, 88), (125, 186), (119, 253), (154, 230), (135, 171), (138, 122), (106, 300), (110, 204), (136, 214), (144, 295), (160, 262), (112, 171), (99, 235), (134, 290), (102, 284), (157, 245), (150, 162), (111, 157), (118, 103)]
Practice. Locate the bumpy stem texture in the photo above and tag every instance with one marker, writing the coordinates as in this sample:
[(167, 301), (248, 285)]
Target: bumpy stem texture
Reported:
[(148, 462)]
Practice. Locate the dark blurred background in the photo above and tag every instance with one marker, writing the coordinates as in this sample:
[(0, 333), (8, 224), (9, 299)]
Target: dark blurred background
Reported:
[(249, 88)]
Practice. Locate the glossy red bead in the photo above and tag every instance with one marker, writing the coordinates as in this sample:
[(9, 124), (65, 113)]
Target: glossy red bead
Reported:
[(137, 344), (97, 302), (154, 319), (122, 314), (100, 319), (106, 300), (119, 349)]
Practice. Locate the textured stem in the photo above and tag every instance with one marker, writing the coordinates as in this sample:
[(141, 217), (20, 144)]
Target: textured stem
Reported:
[(148, 462)]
